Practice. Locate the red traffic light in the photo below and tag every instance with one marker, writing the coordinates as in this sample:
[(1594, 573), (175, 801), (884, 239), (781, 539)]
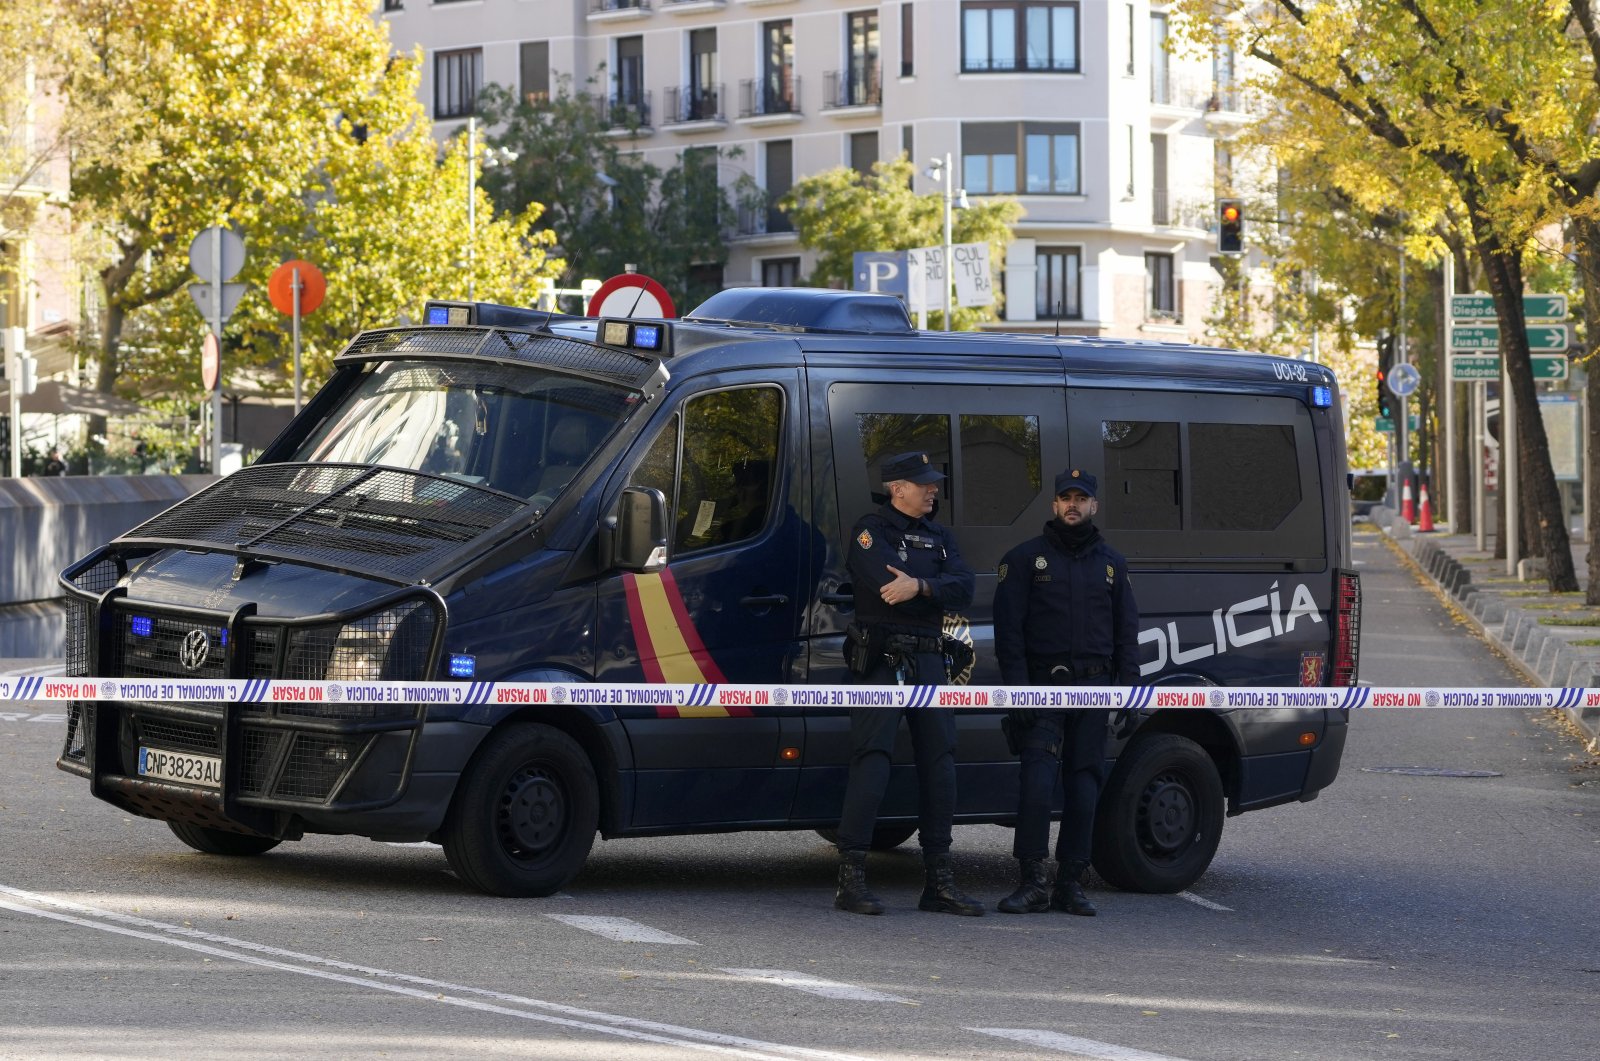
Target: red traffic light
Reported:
[(1230, 212)]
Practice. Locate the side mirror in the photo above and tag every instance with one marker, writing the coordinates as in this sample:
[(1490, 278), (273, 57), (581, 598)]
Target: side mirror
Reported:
[(639, 538)]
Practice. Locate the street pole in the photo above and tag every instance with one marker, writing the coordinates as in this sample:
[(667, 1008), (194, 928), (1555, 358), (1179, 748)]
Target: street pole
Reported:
[(1402, 422), (13, 350), (1480, 500), (1448, 449), (216, 327), (949, 202), (1508, 464), (472, 199), (296, 286)]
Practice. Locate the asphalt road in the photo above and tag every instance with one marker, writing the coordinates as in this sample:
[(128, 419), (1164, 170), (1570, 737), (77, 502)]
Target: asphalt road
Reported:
[(1399, 916)]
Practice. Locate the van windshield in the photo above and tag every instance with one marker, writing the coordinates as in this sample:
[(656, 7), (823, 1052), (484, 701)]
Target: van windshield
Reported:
[(524, 431)]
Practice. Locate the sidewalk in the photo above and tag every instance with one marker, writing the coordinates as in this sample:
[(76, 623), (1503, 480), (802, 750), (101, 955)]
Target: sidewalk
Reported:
[(1553, 637)]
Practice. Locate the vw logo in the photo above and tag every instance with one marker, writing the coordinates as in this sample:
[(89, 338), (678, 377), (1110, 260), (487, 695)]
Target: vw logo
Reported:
[(194, 650)]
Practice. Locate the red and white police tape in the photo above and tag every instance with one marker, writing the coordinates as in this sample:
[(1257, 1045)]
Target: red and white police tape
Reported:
[(737, 699)]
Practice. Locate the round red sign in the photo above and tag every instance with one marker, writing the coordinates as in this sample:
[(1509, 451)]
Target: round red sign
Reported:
[(210, 360), (313, 286)]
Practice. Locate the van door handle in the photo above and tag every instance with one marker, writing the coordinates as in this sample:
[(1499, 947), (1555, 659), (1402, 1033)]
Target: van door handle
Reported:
[(838, 600), (769, 600)]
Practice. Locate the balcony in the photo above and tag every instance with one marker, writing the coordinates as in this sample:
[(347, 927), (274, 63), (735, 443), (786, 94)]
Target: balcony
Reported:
[(624, 111), (618, 10), (852, 89), (758, 219), (760, 98), (688, 104), (691, 7)]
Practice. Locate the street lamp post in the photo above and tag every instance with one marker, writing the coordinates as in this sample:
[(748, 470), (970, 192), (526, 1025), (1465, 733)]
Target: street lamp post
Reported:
[(494, 156), (954, 199)]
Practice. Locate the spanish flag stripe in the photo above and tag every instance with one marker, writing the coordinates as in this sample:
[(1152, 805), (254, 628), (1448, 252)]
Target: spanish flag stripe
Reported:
[(673, 659), (691, 637)]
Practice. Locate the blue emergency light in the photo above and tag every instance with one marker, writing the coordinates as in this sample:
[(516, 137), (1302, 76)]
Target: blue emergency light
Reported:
[(142, 626), (1322, 397), (647, 336), (463, 666)]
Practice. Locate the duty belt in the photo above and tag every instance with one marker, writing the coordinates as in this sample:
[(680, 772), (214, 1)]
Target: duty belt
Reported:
[(905, 644)]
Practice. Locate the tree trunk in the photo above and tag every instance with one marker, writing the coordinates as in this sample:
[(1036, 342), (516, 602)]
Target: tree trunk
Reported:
[(1538, 488), (1462, 513), (1586, 238)]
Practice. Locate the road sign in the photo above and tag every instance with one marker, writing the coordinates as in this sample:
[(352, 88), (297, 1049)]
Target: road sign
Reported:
[(204, 263), (1386, 423), (1403, 379), (202, 294), (1487, 366), (1542, 338), (631, 295), (313, 287), (1481, 307), (209, 358)]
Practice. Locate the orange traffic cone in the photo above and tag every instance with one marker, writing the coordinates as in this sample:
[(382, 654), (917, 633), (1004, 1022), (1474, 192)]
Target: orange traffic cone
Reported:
[(1425, 515), (1408, 511)]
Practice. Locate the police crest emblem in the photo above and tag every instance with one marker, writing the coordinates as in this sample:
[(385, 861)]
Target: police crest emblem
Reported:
[(1002, 573), (864, 539), (1040, 563), (1111, 575)]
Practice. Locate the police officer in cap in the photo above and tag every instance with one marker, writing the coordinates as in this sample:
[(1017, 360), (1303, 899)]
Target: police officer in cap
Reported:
[(1064, 614), (906, 572)]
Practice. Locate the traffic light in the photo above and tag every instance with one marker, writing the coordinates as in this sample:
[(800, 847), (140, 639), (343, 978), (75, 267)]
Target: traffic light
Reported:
[(1230, 226), (1384, 396), (1385, 360)]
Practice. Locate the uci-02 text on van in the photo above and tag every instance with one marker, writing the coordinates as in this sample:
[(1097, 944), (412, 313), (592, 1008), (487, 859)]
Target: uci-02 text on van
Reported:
[(506, 495)]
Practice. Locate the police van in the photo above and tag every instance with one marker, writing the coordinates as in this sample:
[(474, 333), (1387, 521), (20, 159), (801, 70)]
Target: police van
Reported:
[(510, 495)]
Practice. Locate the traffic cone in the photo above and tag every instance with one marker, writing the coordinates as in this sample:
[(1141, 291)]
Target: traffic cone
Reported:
[(1425, 515), (1408, 511)]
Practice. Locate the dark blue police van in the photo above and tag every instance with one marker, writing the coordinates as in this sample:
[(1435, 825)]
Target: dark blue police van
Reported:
[(506, 494)]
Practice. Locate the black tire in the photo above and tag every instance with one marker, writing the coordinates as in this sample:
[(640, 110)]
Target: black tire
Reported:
[(220, 842), (884, 837), (1160, 816), (525, 813)]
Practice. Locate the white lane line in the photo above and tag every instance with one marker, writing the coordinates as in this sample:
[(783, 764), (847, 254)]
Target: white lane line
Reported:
[(813, 985), (430, 990), (621, 929), (1071, 1044), (1207, 903)]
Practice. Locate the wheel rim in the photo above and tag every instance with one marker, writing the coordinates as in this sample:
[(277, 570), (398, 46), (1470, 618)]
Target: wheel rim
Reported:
[(1168, 823), (532, 813)]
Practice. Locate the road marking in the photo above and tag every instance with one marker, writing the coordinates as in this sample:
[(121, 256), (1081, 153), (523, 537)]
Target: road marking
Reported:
[(1071, 1044), (621, 929), (421, 988), (813, 985), (1207, 903), (26, 716)]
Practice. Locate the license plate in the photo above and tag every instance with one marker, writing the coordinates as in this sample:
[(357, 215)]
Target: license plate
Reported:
[(202, 770)]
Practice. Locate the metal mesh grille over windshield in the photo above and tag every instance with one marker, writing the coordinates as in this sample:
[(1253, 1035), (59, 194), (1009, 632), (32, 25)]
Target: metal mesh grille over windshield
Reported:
[(547, 350), (384, 521)]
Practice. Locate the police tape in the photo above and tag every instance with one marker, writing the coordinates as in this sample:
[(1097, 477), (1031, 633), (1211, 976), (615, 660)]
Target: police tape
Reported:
[(742, 699)]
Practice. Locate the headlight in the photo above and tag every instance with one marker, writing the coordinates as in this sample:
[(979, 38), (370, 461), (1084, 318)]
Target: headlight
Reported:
[(391, 645), (359, 654)]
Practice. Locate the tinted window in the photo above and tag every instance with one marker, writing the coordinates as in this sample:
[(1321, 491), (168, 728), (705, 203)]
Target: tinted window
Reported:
[(1143, 476), (1000, 468), (886, 434), (1243, 476)]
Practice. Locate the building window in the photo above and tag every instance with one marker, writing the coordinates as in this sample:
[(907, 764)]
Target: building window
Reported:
[(1160, 206), (457, 76), (1132, 22), (1048, 150), (863, 152), (536, 71), (780, 272), (1160, 287), (705, 280), (1003, 35), (1160, 73), (1058, 284), (780, 178), (630, 72), (777, 68), (393, 5), (862, 38), (908, 62)]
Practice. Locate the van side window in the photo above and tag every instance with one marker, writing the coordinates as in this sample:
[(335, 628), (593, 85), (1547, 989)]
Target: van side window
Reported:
[(1244, 476), (720, 490), (1000, 467), (1142, 465), (887, 434)]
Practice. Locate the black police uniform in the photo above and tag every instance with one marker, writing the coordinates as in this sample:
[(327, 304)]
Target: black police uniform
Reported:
[(1064, 614), (904, 644)]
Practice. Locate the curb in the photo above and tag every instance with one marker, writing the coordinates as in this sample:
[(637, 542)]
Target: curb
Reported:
[(1508, 616)]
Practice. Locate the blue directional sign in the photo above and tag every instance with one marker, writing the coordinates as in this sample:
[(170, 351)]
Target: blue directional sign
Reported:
[(1403, 379)]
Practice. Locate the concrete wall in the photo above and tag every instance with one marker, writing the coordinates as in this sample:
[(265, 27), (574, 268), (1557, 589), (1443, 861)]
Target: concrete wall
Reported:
[(46, 524)]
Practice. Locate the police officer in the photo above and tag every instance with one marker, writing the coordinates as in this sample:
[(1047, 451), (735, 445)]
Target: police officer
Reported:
[(906, 572), (1064, 614)]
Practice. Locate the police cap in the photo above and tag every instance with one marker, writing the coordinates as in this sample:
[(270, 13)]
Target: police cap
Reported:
[(1076, 479), (912, 467)]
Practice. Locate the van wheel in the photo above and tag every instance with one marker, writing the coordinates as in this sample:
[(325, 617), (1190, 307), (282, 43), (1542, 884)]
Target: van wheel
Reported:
[(525, 813), (884, 837), (220, 841), (1160, 817)]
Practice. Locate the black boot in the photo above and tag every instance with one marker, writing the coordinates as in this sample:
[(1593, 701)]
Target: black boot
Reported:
[(852, 895), (1033, 894), (1068, 894), (941, 896)]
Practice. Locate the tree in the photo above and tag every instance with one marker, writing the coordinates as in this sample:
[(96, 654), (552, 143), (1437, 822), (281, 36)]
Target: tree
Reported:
[(608, 207), (34, 43), (838, 212), (1385, 84)]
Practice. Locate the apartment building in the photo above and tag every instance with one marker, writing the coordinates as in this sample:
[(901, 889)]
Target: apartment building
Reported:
[(1116, 147)]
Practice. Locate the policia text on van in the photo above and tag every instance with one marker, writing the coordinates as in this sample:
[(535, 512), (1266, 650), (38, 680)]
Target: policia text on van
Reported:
[(503, 494)]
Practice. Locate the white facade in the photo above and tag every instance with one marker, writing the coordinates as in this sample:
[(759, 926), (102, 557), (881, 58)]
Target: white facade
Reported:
[(1109, 141)]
